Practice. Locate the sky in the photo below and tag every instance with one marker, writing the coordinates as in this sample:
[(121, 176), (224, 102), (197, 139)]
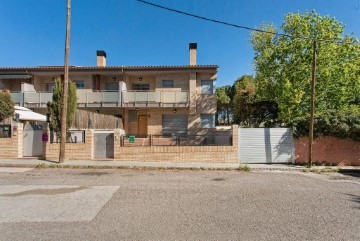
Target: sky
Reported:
[(32, 33)]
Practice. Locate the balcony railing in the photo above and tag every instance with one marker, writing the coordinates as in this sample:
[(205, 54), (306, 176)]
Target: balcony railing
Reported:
[(99, 99), (155, 98), (109, 98)]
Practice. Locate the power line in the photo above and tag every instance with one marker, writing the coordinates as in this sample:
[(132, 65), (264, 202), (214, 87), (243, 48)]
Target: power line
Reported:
[(243, 27)]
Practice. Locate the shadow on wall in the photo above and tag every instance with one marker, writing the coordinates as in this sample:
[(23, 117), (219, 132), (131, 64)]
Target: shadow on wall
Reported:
[(285, 145), (268, 148)]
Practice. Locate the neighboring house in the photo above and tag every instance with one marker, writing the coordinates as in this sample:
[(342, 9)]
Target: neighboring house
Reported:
[(159, 100)]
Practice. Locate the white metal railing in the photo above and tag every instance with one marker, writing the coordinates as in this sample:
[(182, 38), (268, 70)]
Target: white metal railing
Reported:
[(106, 97), (89, 97), (134, 96), (37, 97), (16, 96)]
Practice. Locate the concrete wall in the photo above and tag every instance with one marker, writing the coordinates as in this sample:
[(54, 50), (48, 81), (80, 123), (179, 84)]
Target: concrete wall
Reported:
[(11, 148), (214, 154), (329, 150)]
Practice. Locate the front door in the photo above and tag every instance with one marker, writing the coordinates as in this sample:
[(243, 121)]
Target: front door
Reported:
[(142, 124)]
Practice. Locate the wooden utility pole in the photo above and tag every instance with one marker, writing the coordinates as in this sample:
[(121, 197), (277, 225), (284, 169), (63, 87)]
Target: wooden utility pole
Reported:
[(65, 84), (312, 105)]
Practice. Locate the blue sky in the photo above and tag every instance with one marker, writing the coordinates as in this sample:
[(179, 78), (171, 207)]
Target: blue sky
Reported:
[(32, 33)]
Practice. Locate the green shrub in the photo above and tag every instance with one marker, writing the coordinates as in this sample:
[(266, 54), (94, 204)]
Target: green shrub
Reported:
[(6, 105), (342, 124)]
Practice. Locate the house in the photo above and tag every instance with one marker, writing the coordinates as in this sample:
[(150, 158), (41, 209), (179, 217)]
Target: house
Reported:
[(157, 100)]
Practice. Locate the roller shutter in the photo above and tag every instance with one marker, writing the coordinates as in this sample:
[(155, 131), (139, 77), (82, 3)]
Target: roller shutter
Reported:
[(174, 124)]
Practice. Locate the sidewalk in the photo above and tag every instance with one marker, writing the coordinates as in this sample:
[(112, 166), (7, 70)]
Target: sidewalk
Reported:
[(32, 163)]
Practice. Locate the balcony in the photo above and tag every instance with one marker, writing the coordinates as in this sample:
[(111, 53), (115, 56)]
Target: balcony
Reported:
[(108, 99), (134, 98)]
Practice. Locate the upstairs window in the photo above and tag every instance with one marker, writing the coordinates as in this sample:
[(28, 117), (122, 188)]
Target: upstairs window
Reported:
[(141, 87), (50, 87), (207, 121), (207, 87), (79, 84), (168, 83)]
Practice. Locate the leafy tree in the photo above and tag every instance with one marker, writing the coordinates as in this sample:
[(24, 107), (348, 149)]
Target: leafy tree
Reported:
[(224, 96), (283, 66), (6, 105), (249, 108), (55, 107)]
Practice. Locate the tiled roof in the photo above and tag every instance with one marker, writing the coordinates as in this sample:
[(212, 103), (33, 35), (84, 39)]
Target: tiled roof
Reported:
[(40, 68)]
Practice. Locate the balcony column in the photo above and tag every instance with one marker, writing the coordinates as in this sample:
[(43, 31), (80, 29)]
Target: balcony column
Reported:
[(192, 93)]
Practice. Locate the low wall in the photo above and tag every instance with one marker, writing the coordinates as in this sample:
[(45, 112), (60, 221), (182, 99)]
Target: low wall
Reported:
[(11, 148), (73, 151), (329, 150), (210, 154)]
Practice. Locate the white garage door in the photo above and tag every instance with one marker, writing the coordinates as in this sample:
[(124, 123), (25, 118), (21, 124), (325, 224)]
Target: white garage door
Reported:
[(265, 145)]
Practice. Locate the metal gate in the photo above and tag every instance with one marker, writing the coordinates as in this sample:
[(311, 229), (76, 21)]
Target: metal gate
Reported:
[(103, 144), (32, 141), (266, 145)]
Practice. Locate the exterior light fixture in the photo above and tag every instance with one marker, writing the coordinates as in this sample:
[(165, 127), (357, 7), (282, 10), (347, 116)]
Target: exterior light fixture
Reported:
[(114, 78), (140, 78), (174, 110)]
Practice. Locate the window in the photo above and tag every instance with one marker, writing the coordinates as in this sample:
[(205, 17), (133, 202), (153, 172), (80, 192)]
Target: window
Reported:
[(168, 83), (207, 87), (5, 131), (50, 87), (207, 121), (141, 86), (132, 115), (79, 84)]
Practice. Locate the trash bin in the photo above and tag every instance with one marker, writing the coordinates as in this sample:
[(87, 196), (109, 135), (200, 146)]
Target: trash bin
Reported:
[(131, 139)]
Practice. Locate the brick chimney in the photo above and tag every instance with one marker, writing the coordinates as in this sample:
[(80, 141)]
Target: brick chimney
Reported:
[(101, 58), (192, 48)]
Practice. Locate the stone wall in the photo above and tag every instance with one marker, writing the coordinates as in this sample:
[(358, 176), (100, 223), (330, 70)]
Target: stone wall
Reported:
[(11, 148), (210, 154), (73, 151), (329, 150)]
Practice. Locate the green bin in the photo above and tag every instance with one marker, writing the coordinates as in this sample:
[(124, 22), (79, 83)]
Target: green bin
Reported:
[(131, 139)]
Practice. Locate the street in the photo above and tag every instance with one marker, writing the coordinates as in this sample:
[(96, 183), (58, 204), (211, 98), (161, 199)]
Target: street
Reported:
[(125, 204)]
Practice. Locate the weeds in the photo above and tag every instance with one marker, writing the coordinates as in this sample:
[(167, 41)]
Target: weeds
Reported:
[(41, 165), (245, 168)]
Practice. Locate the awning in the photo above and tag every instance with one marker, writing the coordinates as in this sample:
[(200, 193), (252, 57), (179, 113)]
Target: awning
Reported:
[(28, 115), (15, 76)]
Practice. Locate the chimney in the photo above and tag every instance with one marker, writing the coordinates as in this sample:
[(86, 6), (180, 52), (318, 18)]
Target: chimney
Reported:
[(101, 58), (192, 48)]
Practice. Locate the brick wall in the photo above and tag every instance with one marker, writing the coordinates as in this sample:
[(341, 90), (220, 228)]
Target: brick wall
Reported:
[(73, 151), (11, 148), (214, 154), (329, 150)]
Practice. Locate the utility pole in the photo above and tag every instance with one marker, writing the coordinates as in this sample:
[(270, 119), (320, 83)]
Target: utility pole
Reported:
[(65, 84), (312, 105)]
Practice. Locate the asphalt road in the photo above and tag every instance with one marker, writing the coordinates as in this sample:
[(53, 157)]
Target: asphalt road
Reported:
[(65, 204)]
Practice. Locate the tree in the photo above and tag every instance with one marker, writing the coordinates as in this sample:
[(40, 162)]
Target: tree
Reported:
[(224, 96), (283, 66), (250, 109), (6, 105), (55, 107)]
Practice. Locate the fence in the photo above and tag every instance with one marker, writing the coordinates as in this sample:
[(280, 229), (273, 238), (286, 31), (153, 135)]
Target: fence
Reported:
[(176, 140), (75, 136)]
